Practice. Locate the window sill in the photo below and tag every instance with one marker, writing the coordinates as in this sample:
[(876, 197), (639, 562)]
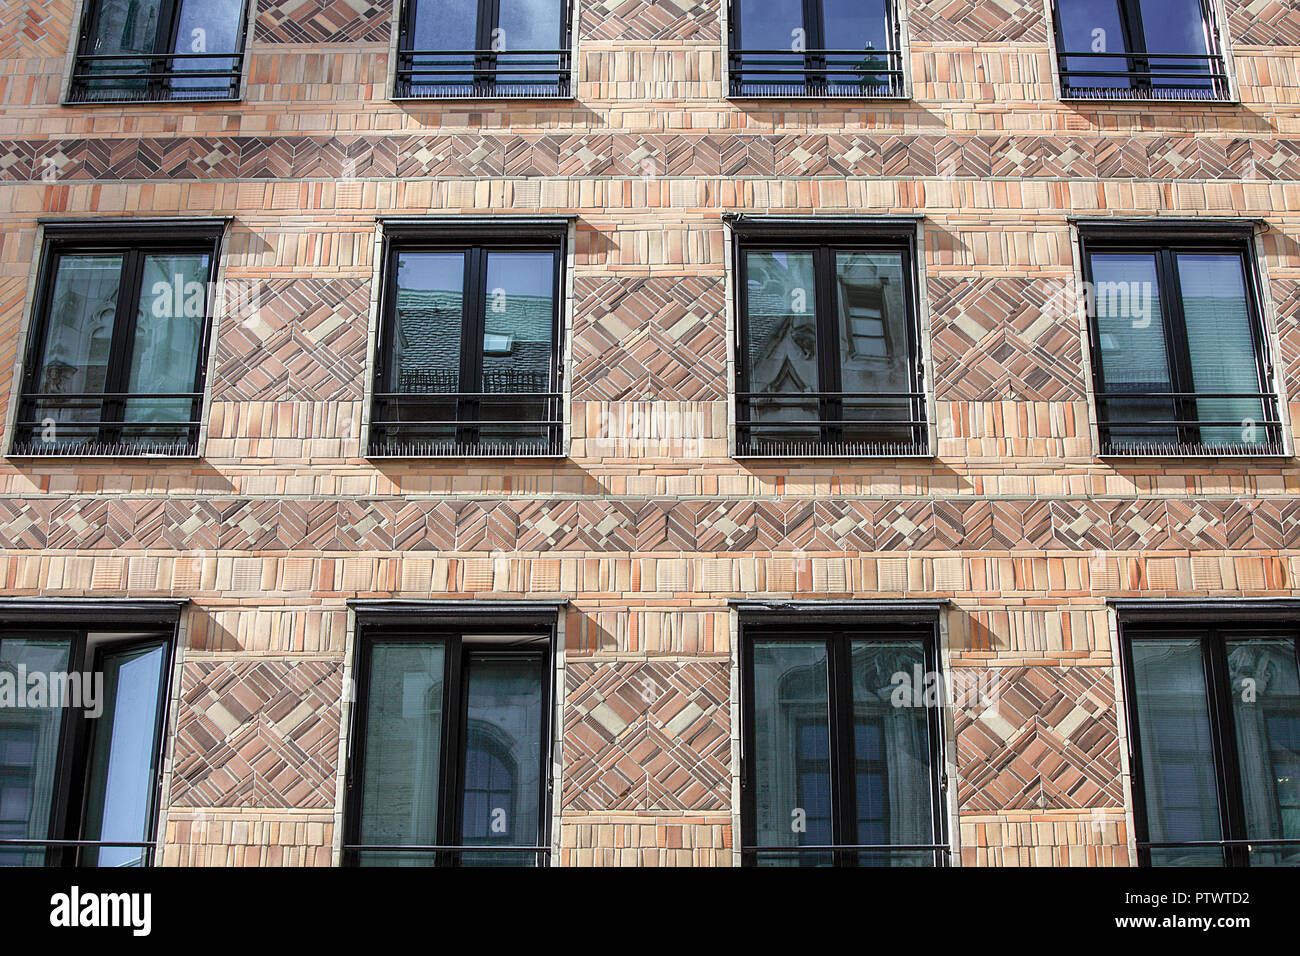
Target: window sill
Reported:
[(486, 98), (815, 97), (168, 101), (1190, 452), (1148, 100)]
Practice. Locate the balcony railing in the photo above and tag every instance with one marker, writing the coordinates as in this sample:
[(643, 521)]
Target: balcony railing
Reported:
[(72, 849), (863, 854), (813, 424), (151, 78), (57, 423), (464, 424), (816, 73), (1161, 76), (483, 74), (1175, 415), (1285, 852), (451, 855)]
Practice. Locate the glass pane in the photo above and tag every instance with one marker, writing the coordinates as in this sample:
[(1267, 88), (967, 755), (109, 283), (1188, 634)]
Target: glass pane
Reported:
[(518, 355), (205, 27), (1134, 355), (1176, 26), (29, 745), (123, 30), (862, 29), (503, 759), (403, 746), (443, 36), (1178, 775), (792, 747), (873, 346), (119, 800), (891, 745), (525, 27), (78, 337), (774, 29), (1093, 27), (1221, 346), (426, 346), (781, 304), (1266, 712), (165, 351)]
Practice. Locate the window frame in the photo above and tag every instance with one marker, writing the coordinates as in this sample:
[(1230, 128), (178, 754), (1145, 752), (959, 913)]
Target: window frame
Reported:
[(140, 624), (134, 241), (1212, 631), (1165, 242), (826, 239), (815, 60), (486, 66), (417, 623), (1141, 74), (805, 622), (476, 240), (158, 79)]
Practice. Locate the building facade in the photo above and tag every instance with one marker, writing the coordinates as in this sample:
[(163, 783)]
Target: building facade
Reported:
[(888, 447)]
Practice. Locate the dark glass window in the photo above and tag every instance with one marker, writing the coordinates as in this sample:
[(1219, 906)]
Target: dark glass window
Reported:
[(820, 48), (483, 48), (450, 750), (117, 351), (80, 744), (829, 361), (1178, 350), (1139, 49), (152, 50), (836, 755), (469, 349), (1215, 716)]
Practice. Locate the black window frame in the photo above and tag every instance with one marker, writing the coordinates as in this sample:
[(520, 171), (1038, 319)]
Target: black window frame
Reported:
[(825, 240), (488, 63), (476, 239), (1138, 61), (1212, 626), (134, 241), (158, 87), (820, 66), (141, 624), (1166, 241), (451, 623), (839, 626)]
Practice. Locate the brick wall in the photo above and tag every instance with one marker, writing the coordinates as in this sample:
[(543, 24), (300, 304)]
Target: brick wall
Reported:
[(281, 519)]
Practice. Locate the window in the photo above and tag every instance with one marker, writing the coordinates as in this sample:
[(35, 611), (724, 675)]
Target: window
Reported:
[(483, 48), (147, 51), (82, 713), (1214, 715), (829, 357), (841, 762), (117, 351), (449, 762), (468, 361), (781, 48), (1139, 49), (1178, 355)]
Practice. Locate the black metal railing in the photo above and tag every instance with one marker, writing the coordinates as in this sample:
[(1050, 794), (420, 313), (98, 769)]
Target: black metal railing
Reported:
[(445, 855), (483, 74), (467, 424), (1169, 424), (1233, 852), (845, 854), (148, 78), (1146, 78), (55, 423), (73, 849), (892, 424), (816, 73)]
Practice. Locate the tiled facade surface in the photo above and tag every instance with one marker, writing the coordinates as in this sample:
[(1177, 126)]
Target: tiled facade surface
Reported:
[(648, 526)]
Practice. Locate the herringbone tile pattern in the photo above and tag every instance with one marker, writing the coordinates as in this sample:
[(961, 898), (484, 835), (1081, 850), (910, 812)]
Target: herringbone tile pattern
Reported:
[(257, 734), (647, 736), (324, 21), (975, 21), (1039, 738), (654, 338), (649, 20)]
